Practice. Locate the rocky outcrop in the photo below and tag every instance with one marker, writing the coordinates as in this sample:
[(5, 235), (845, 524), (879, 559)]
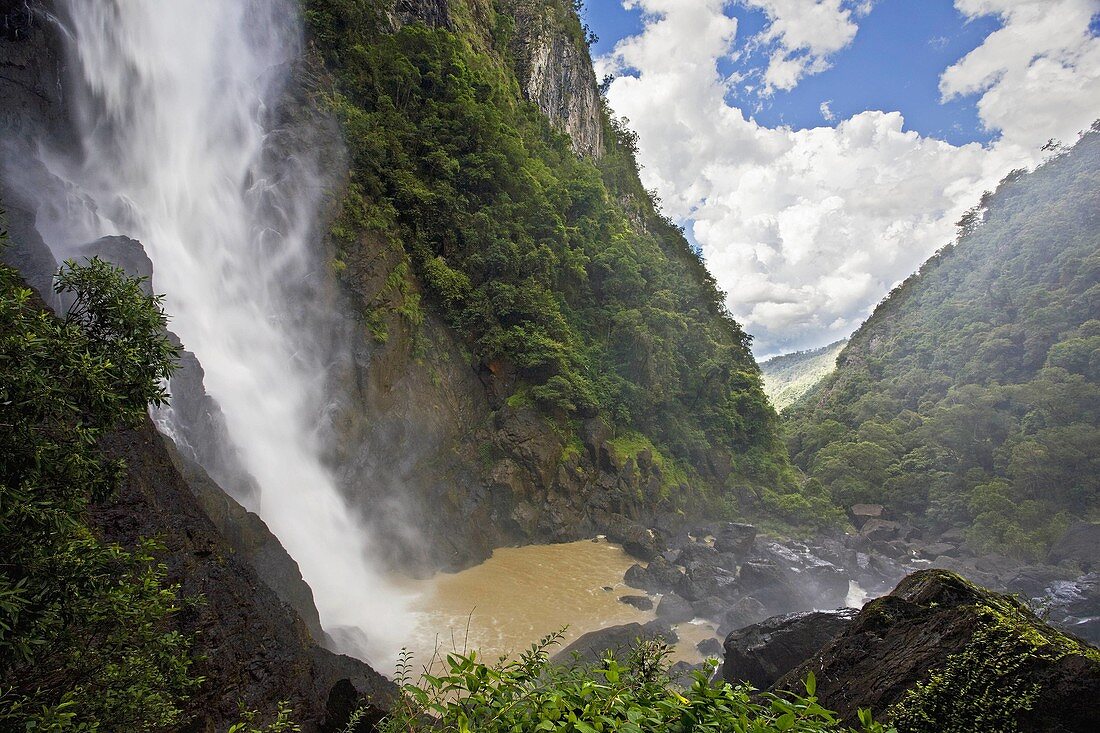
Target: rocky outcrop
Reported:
[(252, 648), (556, 73), (594, 645), (762, 653), (940, 654)]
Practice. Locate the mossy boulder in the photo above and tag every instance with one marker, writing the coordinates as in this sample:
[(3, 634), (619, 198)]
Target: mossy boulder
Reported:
[(940, 654)]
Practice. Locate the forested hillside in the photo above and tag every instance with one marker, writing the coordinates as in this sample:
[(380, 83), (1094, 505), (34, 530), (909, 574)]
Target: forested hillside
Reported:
[(970, 398), (788, 377), (566, 288)]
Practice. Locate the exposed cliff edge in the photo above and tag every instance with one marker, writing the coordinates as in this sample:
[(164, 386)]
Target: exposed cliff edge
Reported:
[(253, 649), (940, 654)]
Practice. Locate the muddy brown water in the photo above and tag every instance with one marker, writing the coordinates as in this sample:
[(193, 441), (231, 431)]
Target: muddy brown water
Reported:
[(521, 594)]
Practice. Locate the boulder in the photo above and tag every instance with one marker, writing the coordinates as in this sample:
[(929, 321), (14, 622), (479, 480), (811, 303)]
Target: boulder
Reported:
[(735, 539), (767, 583), (1079, 545), (674, 609), (941, 654), (762, 653), (594, 645), (703, 581), (659, 576), (937, 549), (746, 611), (863, 512), (642, 603), (640, 542), (1032, 581), (710, 608), (710, 647), (879, 530)]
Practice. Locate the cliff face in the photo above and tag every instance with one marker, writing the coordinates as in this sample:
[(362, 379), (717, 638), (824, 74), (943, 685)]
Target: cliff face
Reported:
[(252, 648), (556, 73)]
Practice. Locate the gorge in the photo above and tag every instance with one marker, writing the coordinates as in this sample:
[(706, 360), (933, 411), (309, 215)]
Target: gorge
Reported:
[(430, 321)]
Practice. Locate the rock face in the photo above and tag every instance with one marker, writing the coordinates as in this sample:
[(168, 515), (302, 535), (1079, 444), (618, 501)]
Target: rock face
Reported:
[(762, 653), (556, 74), (618, 639), (940, 654), (252, 648), (1080, 545)]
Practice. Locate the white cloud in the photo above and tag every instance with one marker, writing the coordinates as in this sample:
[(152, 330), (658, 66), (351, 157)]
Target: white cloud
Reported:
[(807, 230), (803, 34), (1038, 75), (826, 111)]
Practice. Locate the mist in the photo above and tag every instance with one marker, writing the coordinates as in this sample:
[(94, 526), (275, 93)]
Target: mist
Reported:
[(174, 147)]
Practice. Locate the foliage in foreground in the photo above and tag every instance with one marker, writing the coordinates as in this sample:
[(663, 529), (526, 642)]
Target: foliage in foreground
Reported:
[(84, 639), (633, 696)]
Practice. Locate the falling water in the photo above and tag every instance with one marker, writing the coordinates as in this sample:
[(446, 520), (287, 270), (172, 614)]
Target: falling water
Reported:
[(170, 103)]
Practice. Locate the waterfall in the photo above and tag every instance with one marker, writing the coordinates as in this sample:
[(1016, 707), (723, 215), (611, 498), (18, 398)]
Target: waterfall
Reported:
[(171, 104)]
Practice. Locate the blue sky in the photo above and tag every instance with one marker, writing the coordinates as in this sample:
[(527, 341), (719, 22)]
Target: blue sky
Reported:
[(894, 64), (820, 150)]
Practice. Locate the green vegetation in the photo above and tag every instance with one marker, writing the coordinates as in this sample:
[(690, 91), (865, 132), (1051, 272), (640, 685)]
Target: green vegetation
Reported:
[(789, 377), (635, 695), (85, 643), (552, 267), (990, 682), (970, 397)]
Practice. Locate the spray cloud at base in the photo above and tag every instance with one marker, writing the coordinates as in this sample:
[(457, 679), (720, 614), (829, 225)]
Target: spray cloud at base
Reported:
[(172, 107)]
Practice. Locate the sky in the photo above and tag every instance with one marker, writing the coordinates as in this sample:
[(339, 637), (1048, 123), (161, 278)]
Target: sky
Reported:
[(820, 150)]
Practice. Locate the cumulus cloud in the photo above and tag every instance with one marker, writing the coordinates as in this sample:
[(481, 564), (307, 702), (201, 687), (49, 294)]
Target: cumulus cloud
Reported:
[(803, 34), (807, 230)]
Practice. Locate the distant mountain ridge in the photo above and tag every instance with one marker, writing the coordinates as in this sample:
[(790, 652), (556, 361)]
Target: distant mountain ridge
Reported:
[(970, 397), (788, 377)]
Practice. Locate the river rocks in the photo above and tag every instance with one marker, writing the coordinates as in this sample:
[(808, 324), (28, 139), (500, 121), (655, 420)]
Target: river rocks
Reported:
[(659, 576), (735, 539), (746, 611), (642, 603), (762, 653), (1079, 545), (640, 542), (1074, 605), (879, 530), (863, 512), (674, 609), (594, 645), (941, 654)]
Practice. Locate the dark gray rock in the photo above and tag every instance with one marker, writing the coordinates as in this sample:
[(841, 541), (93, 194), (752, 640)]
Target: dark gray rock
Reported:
[(710, 608), (735, 539), (710, 648), (744, 612), (762, 653), (618, 639), (1079, 545), (642, 603), (659, 576), (879, 530), (640, 542), (674, 609)]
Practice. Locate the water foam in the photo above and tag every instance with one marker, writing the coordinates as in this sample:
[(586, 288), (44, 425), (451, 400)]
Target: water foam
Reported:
[(170, 103)]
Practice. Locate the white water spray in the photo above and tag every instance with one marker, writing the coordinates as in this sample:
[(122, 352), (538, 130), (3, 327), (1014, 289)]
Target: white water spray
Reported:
[(171, 99)]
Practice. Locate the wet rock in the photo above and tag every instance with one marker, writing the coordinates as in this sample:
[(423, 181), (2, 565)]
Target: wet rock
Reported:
[(879, 530), (735, 539), (976, 647), (702, 581), (710, 648), (710, 608), (594, 645), (937, 549), (674, 609), (1079, 545), (744, 612), (863, 512), (767, 583), (762, 653), (697, 552), (642, 603), (659, 576), (1034, 580), (640, 542)]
